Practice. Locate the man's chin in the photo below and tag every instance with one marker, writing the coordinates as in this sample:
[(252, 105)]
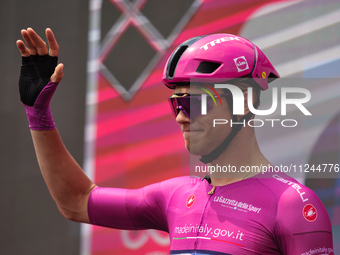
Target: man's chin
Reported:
[(195, 150)]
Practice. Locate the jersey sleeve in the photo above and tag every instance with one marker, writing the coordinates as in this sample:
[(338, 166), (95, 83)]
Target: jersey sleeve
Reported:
[(302, 224), (133, 209)]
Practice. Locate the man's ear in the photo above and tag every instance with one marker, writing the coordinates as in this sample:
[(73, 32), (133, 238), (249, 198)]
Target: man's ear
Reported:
[(246, 108), (245, 104)]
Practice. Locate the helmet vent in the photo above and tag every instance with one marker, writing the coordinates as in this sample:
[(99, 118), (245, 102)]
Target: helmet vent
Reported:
[(271, 77), (207, 67), (175, 59)]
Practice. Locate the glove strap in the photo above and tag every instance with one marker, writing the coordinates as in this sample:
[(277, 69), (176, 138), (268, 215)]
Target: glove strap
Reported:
[(39, 115), (39, 119)]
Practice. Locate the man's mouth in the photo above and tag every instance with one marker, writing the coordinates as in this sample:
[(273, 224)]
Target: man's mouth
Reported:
[(191, 131)]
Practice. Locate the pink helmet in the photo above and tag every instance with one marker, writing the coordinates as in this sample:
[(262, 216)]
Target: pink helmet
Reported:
[(218, 58)]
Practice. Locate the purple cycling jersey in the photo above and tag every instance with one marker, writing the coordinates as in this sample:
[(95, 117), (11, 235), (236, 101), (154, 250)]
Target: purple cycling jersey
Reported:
[(258, 215)]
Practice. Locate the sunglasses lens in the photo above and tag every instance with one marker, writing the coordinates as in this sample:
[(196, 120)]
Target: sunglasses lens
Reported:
[(179, 104), (189, 105), (195, 107)]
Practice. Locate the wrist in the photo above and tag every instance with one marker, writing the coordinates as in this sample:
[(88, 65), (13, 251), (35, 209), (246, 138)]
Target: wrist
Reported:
[(39, 119)]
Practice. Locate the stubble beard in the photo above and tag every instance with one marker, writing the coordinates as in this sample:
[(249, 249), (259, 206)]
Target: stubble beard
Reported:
[(199, 148)]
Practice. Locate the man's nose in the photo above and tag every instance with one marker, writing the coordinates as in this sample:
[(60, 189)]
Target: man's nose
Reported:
[(181, 117)]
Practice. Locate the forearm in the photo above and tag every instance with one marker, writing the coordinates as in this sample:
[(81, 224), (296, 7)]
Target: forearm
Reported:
[(66, 181)]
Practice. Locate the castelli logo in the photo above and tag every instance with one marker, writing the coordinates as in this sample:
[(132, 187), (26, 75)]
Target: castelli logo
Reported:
[(309, 212), (241, 64), (190, 201)]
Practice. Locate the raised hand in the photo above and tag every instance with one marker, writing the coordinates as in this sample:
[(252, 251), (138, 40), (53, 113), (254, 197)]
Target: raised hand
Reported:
[(39, 77)]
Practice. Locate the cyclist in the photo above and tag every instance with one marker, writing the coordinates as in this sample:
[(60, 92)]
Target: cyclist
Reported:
[(236, 213)]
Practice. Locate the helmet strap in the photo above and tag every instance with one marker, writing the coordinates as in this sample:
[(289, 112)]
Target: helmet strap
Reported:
[(218, 151)]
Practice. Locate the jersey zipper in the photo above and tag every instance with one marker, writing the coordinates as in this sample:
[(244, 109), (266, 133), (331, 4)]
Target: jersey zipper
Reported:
[(203, 214)]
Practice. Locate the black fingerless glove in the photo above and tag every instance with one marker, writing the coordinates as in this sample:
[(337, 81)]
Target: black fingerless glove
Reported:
[(36, 90), (35, 75)]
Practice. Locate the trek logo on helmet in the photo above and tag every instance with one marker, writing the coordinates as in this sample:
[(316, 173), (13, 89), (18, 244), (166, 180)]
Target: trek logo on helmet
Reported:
[(221, 40)]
